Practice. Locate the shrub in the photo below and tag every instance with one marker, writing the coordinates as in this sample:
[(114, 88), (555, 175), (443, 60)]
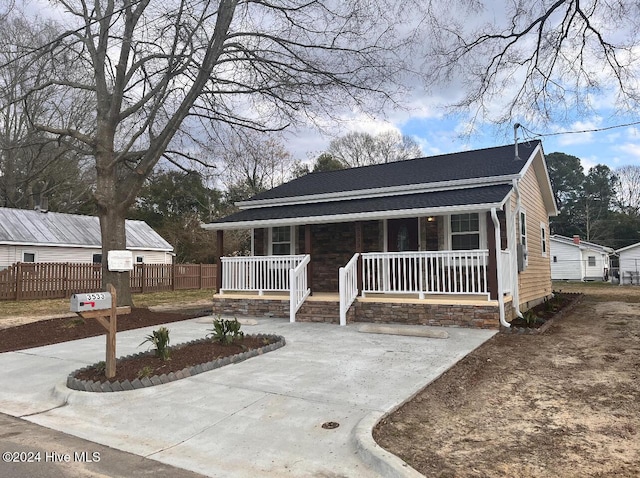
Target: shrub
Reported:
[(225, 331), (160, 339)]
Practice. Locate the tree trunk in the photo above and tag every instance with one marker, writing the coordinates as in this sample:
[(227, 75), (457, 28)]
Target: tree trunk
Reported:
[(112, 213), (113, 234)]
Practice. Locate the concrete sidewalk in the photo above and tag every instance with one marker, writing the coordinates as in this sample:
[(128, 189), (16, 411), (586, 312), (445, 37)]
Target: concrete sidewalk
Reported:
[(261, 417)]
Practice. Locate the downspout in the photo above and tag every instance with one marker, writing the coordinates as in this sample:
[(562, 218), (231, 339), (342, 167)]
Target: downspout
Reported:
[(515, 293), (496, 231)]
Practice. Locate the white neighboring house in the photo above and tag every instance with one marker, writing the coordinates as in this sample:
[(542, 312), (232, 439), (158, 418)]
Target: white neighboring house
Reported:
[(574, 259), (629, 258), (41, 236)]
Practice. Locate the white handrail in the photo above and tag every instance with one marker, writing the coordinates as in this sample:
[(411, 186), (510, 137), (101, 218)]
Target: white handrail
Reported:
[(299, 288), (258, 273), (348, 286), (425, 272)]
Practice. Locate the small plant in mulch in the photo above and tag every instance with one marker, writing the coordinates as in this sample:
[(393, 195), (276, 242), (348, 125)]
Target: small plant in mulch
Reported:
[(146, 371), (225, 331), (160, 340), (542, 313)]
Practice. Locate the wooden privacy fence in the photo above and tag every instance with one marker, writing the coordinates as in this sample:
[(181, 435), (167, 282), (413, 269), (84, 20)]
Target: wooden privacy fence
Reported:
[(52, 280)]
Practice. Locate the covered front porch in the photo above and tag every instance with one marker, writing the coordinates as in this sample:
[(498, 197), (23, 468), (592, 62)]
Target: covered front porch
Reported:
[(373, 271)]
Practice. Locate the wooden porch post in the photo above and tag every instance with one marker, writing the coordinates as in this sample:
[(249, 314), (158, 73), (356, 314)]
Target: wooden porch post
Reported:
[(308, 247), (492, 268), (359, 250), (220, 244)]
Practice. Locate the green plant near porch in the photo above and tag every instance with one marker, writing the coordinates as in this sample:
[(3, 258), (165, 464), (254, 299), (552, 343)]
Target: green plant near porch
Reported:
[(160, 339), (225, 331)]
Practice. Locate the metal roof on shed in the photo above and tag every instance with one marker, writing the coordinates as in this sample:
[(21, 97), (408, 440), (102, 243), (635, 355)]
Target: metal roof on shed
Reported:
[(58, 229)]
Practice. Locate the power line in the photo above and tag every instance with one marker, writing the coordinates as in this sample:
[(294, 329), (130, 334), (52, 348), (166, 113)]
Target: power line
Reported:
[(594, 130)]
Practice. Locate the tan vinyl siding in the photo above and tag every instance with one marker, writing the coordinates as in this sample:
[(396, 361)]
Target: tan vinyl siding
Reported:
[(535, 282)]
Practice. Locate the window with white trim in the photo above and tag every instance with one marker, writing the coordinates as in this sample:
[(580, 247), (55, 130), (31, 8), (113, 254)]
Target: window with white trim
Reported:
[(592, 261), (543, 239), (523, 228), (465, 231), (281, 241), (139, 259)]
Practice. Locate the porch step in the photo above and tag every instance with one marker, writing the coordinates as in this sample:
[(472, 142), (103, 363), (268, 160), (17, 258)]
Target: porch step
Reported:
[(319, 311)]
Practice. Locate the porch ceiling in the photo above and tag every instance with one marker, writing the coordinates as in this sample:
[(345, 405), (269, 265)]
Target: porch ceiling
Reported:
[(405, 205)]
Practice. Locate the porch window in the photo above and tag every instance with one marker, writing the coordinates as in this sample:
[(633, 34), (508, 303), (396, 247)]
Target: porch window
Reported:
[(465, 231), (281, 241)]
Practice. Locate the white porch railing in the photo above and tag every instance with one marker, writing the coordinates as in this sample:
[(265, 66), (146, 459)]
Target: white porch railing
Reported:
[(258, 273), (299, 288), (425, 272), (348, 285), (505, 267)]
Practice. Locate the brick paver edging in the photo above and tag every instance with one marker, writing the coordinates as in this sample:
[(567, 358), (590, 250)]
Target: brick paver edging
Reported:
[(117, 386)]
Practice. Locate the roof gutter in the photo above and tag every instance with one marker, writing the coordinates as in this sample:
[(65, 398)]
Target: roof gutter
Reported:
[(496, 231), (348, 217)]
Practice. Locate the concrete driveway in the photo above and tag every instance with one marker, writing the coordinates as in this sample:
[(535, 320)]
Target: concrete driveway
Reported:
[(261, 417)]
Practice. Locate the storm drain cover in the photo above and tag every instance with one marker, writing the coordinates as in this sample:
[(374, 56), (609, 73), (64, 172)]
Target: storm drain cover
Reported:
[(330, 425)]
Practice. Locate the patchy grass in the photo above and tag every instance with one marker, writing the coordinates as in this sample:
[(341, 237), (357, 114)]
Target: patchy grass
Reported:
[(47, 307), (601, 291), (179, 297)]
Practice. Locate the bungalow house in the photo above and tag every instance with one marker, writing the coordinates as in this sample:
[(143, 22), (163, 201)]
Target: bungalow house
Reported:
[(629, 260), (41, 236), (574, 259), (456, 239)]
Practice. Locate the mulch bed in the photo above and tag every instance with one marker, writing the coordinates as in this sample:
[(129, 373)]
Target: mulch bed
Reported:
[(182, 356), (540, 317), (54, 331)]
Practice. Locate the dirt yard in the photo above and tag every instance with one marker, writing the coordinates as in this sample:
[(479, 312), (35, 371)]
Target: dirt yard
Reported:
[(562, 404)]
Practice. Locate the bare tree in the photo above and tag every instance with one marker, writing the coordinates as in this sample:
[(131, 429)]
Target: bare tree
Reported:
[(628, 190), (32, 163), (535, 60), (362, 149), (252, 161), (157, 71)]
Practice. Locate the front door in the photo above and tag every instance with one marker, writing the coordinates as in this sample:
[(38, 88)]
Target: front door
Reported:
[(402, 235)]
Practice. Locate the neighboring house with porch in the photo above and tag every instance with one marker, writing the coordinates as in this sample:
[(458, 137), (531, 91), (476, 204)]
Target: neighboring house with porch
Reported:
[(456, 239), (575, 259), (41, 236)]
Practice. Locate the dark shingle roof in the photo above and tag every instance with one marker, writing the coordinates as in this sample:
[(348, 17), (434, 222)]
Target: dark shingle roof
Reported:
[(476, 164), (427, 200), (54, 228)]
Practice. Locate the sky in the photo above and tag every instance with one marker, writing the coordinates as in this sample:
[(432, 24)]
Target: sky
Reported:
[(438, 133)]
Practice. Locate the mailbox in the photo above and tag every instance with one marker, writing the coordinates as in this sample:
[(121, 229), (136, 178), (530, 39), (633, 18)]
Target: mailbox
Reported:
[(94, 301)]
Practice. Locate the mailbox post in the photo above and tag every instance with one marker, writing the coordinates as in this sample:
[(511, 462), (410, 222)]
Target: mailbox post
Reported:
[(102, 306)]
